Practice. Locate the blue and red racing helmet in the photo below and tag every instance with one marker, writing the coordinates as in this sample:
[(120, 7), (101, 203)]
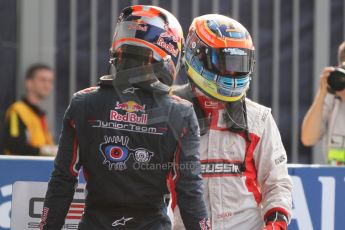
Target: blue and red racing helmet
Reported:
[(219, 57), (149, 34)]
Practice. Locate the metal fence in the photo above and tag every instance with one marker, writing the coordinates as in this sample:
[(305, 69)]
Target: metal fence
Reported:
[(294, 40)]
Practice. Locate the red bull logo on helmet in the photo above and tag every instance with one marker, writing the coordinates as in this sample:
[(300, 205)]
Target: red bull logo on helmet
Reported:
[(167, 46)]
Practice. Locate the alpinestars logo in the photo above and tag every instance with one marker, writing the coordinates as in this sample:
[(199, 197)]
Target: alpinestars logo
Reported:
[(121, 221), (116, 152), (130, 90), (220, 168)]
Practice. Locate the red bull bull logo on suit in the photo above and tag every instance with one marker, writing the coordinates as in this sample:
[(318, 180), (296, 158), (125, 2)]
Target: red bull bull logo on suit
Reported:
[(130, 106)]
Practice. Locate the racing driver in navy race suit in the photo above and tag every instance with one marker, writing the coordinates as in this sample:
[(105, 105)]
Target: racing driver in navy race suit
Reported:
[(126, 133), (243, 161)]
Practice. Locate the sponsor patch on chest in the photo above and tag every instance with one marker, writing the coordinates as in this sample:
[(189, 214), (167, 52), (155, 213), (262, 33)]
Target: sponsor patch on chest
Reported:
[(116, 152), (220, 168)]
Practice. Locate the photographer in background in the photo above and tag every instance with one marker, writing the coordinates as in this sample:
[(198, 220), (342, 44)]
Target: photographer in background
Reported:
[(326, 117), (26, 130)]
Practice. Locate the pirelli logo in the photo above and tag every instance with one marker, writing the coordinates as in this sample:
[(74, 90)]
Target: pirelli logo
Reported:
[(220, 168)]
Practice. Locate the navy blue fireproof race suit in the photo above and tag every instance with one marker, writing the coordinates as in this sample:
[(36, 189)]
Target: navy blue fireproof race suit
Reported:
[(126, 141)]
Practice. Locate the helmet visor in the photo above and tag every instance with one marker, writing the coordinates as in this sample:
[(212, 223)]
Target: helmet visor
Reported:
[(131, 57), (222, 61), (140, 53)]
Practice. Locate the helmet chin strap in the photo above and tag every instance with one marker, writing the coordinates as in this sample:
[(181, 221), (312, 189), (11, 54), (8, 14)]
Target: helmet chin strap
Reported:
[(234, 115)]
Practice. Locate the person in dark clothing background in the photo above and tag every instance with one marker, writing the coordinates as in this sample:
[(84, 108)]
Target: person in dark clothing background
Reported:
[(26, 130)]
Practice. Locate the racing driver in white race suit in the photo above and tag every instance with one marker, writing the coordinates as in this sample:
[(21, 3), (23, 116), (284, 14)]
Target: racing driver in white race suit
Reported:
[(243, 160)]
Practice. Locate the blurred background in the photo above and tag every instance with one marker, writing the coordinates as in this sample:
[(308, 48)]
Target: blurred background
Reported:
[(294, 40)]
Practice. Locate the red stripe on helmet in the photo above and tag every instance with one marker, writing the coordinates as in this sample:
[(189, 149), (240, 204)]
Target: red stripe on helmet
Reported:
[(145, 11), (211, 39)]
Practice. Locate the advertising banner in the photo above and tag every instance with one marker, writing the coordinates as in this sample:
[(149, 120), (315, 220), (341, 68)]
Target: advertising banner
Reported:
[(12, 169), (27, 206), (318, 195)]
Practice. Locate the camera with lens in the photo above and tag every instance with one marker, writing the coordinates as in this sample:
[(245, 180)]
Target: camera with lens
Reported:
[(336, 80)]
